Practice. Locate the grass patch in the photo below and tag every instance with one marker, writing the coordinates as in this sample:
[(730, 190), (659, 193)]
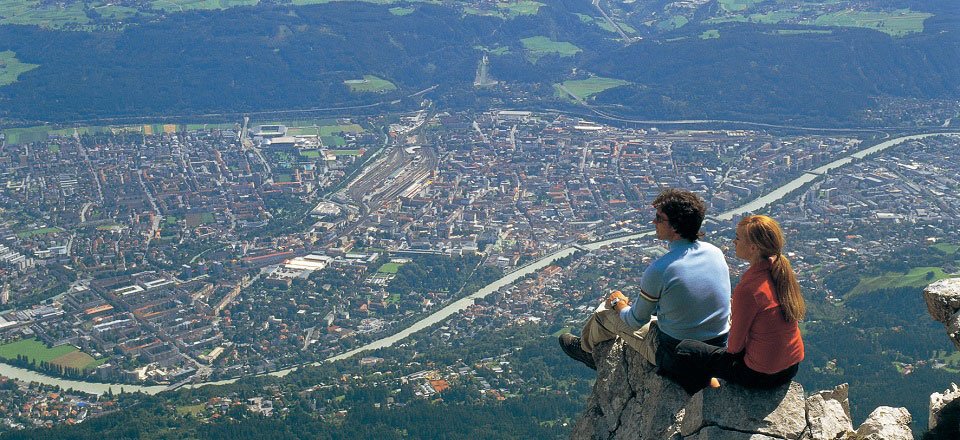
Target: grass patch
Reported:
[(917, 277), (194, 410), (36, 351), (539, 46), (310, 154), (36, 13), (518, 8), (773, 17), (11, 68), (801, 31), (897, 23), (951, 359), (947, 248), (585, 88), (190, 5), (333, 141), (401, 11), (389, 268), (675, 22), (370, 84), (346, 152), (40, 231), (737, 5), (710, 34), (328, 130)]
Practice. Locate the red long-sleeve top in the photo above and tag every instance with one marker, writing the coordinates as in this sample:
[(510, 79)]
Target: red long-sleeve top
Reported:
[(772, 344)]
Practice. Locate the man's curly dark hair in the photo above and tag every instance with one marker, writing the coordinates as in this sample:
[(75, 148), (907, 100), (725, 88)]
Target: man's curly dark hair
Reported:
[(684, 210)]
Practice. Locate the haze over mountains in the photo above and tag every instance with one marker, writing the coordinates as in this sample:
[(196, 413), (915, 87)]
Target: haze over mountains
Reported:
[(765, 61)]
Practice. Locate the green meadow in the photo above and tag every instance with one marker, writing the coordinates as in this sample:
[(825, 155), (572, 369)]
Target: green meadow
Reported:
[(539, 46), (710, 34), (585, 88), (48, 15), (370, 84), (917, 277), (36, 351), (35, 232), (399, 11), (188, 5), (11, 68), (897, 23)]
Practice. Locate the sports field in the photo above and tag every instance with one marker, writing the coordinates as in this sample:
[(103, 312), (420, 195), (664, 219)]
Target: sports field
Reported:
[(370, 84), (389, 268), (34, 350)]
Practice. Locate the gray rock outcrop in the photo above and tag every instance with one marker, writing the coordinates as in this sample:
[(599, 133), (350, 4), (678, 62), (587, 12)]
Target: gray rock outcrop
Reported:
[(631, 401), (886, 423), (943, 303), (944, 419)]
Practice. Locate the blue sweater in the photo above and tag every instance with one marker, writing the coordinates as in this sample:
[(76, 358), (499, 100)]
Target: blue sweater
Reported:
[(688, 289)]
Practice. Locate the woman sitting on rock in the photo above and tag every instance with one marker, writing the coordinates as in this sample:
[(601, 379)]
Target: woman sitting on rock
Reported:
[(764, 348)]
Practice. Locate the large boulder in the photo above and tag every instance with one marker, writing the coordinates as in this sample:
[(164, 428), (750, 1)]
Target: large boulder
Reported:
[(828, 414), (886, 423)]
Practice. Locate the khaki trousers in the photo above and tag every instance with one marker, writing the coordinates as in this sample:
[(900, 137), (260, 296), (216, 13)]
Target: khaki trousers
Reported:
[(605, 324)]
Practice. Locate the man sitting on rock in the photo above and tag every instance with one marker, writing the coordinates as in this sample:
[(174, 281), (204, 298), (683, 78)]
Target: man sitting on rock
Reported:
[(687, 289)]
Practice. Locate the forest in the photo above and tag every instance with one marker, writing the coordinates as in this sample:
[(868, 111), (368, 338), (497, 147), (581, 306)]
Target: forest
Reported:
[(272, 57)]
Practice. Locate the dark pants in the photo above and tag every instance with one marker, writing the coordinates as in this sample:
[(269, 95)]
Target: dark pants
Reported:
[(705, 360), (672, 364)]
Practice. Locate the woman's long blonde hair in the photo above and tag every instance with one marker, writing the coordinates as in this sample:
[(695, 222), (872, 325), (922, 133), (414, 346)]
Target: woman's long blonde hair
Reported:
[(765, 233)]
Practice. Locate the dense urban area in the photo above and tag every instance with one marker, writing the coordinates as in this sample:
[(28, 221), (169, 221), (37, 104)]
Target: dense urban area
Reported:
[(173, 255)]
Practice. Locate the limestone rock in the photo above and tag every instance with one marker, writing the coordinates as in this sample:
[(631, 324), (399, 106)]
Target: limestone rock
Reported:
[(886, 423), (943, 303), (629, 399), (828, 414), (945, 414), (778, 413)]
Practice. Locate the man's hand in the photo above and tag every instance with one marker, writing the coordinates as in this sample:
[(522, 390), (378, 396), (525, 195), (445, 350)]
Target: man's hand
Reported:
[(617, 300)]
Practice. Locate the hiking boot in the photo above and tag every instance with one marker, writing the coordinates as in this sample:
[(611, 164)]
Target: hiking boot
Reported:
[(571, 346)]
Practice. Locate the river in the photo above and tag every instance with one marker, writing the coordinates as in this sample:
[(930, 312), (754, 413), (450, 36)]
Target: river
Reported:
[(506, 280)]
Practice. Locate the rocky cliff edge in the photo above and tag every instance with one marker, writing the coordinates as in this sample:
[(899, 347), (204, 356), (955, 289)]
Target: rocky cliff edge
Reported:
[(630, 401)]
